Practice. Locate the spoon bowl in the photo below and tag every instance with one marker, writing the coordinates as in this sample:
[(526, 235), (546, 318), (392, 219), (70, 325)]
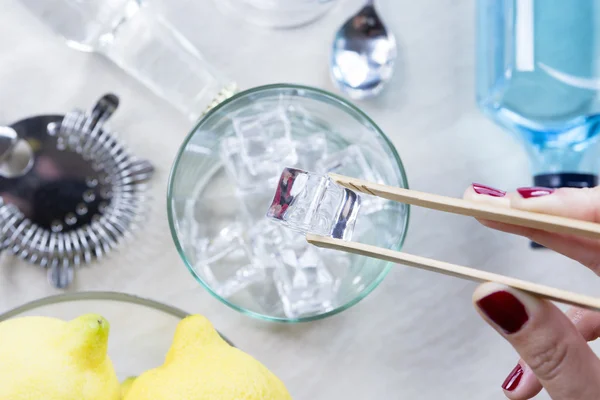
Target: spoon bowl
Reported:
[(363, 54)]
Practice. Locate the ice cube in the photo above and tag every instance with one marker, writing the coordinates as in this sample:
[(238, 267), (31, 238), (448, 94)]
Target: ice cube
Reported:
[(352, 162), (304, 283), (239, 171), (297, 253), (266, 296), (311, 151), (265, 141), (265, 237), (335, 260), (305, 292), (227, 239), (228, 265), (296, 281), (313, 203), (253, 202), (251, 192)]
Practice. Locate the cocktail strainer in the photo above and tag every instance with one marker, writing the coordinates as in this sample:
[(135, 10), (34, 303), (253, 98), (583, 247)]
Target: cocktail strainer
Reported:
[(70, 190)]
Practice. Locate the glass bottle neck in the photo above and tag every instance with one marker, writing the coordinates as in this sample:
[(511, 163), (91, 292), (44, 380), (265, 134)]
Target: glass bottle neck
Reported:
[(564, 166)]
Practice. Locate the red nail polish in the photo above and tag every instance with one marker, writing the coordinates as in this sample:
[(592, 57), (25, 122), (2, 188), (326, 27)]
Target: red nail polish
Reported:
[(534, 192), (512, 380), (487, 190), (505, 310)]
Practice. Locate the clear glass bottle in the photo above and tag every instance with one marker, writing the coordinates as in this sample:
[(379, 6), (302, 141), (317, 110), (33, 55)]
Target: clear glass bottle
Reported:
[(136, 37), (538, 76)]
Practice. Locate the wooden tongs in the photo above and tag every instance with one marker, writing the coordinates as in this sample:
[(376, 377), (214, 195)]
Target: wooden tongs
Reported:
[(459, 206)]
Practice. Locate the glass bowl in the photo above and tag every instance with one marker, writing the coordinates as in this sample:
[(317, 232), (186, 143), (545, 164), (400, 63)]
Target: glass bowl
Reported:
[(277, 14), (207, 208), (141, 330)]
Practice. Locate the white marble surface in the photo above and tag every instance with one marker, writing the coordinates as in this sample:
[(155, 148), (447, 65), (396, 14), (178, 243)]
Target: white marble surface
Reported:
[(416, 336)]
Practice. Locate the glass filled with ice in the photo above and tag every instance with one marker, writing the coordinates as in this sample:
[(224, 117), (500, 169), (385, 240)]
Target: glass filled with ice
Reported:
[(251, 179)]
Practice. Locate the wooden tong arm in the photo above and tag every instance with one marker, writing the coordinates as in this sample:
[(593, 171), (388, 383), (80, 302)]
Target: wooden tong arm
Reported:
[(549, 223)]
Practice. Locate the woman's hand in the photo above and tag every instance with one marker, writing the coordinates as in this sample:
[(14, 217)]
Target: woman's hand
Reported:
[(552, 345)]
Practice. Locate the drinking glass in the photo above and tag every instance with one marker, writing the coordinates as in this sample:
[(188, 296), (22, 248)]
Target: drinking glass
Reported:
[(207, 207), (135, 36)]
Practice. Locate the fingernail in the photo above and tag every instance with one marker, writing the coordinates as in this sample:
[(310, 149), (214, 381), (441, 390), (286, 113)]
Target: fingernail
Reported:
[(505, 310), (487, 190), (528, 192), (512, 380)]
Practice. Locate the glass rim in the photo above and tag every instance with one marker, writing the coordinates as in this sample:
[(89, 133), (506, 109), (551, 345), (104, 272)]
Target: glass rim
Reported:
[(344, 105), (99, 295)]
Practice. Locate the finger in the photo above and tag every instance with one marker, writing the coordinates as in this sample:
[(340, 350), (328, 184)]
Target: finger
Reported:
[(496, 198), (575, 203), (523, 383), (587, 322), (572, 246), (567, 202), (499, 199), (545, 339)]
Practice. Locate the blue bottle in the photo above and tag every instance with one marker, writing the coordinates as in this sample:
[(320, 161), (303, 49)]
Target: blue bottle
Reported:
[(538, 76)]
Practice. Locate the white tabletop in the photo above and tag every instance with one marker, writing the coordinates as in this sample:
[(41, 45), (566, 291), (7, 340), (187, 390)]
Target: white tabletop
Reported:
[(417, 335)]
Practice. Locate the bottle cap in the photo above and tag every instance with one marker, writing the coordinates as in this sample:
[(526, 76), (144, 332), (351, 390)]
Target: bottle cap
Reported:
[(558, 180)]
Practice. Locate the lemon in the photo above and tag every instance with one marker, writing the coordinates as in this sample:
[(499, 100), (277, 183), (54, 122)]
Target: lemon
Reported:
[(200, 365), (47, 358), (126, 385)]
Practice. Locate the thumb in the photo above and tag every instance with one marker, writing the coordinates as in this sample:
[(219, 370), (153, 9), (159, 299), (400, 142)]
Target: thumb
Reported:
[(545, 339), (521, 383)]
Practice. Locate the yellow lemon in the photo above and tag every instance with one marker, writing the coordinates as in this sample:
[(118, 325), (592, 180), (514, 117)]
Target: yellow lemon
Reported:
[(126, 385), (200, 365), (47, 358)]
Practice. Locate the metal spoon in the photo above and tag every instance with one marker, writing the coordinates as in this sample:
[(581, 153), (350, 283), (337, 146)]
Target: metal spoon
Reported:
[(363, 54)]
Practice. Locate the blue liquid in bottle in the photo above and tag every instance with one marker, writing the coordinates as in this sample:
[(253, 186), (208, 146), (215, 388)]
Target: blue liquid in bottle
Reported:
[(538, 76)]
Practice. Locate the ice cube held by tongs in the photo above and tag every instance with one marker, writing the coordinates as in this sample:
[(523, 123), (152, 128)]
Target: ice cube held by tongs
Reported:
[(326, 207), (314, 203)]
